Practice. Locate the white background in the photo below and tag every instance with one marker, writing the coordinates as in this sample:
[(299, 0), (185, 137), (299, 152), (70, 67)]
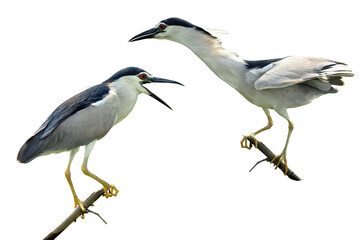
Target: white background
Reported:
[(182, 173)]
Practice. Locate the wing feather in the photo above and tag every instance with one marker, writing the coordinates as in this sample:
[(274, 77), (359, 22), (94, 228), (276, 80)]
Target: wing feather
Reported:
[(72, 106), (316, 72)]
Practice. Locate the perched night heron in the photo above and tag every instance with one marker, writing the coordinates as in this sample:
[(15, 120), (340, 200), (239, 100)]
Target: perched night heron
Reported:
[(278, 84), (86, 118)]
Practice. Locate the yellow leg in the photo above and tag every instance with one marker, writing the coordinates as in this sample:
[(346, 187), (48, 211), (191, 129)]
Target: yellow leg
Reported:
[(283, 155), (67, 176), (244, 141), (109, 190)]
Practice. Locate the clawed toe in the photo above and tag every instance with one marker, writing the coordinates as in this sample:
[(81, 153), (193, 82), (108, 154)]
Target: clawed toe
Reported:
[(281, 158), (110, 191), (80, 204), (244, 142)]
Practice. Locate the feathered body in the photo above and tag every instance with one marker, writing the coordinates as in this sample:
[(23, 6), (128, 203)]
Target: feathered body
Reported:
[(85, 117), (277, 84), (273, 83)]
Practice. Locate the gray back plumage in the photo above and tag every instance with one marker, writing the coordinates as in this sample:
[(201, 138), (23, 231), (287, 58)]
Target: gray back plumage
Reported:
[(74, 123), (71, 106), (33, 146), (314, 72), (250, 64)]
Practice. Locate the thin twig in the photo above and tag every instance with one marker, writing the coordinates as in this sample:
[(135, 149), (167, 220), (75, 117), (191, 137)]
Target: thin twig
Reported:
[(270, 155), (97, 214), (75, 214), (257, 163)]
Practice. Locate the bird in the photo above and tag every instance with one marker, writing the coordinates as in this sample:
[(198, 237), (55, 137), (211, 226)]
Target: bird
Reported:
[(87, 117), (272, 84)]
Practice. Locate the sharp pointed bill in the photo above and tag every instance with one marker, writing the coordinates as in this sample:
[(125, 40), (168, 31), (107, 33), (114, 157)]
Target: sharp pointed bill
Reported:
[(277, 84), (144, 35), (151, 94), (161, 29), (87, 117), (159, 80)]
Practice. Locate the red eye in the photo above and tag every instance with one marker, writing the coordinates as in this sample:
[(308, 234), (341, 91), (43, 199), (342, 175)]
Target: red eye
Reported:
[(162, 26), (143, 76)]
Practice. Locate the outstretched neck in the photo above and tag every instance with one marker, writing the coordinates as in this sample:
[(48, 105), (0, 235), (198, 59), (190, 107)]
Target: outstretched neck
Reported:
[(226, 65)]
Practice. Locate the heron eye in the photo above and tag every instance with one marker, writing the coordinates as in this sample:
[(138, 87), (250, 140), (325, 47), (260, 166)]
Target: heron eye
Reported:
[(143, 76), (162, 26)]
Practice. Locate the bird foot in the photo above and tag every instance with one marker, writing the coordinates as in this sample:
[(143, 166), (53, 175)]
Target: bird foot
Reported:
[(79, 203), (244, 141), (281, 158), (110, 191)]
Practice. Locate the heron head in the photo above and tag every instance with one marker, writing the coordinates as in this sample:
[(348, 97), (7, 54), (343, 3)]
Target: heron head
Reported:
[(174, 29), (133, 79)]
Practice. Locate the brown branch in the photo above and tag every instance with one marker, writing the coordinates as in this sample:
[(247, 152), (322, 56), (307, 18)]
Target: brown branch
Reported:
[(96, 195), (75, 214), (270, 155)]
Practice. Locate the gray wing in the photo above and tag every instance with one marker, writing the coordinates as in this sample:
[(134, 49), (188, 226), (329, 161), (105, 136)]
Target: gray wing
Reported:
[(71, 106), (83, 127), (252, 64), (78, 121), (315, 72)]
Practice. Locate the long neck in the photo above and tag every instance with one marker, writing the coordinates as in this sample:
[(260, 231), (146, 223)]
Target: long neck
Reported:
[(127, 98), (224, 64)]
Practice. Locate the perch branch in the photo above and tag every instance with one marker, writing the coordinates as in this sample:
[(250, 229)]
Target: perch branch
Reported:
[(75, 214), (270, 155)]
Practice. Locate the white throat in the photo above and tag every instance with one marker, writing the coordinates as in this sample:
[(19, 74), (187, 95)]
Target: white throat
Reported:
[(224, 64)]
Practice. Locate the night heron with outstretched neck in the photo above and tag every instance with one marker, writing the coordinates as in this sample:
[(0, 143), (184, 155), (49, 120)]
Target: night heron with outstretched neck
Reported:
[(87, 117), (277, 84)]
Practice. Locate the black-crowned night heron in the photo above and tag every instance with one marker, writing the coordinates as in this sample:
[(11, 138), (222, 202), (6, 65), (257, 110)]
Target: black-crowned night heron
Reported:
[(277, 84), (86, 118)]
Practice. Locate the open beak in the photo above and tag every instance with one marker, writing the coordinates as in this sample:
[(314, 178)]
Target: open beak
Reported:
[(160, 80), (146, 34)]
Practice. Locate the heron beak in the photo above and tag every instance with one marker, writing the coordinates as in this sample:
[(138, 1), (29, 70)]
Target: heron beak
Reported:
[(160, 80), (146, 34)]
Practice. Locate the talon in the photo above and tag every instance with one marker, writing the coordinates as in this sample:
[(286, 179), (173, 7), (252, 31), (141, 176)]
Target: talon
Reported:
[(278, 163), (244, 142), (110, 191), (286, 166), (281, 158), (80, 204)]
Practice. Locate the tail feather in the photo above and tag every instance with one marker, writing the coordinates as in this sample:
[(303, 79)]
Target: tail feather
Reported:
[(31, 149), (333, 73), (337, 69), (336, 80)]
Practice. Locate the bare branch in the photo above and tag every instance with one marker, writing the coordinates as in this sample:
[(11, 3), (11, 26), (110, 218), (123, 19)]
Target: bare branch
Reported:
[(75, 214), (96, 195), (97, 214), (270, 155)]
